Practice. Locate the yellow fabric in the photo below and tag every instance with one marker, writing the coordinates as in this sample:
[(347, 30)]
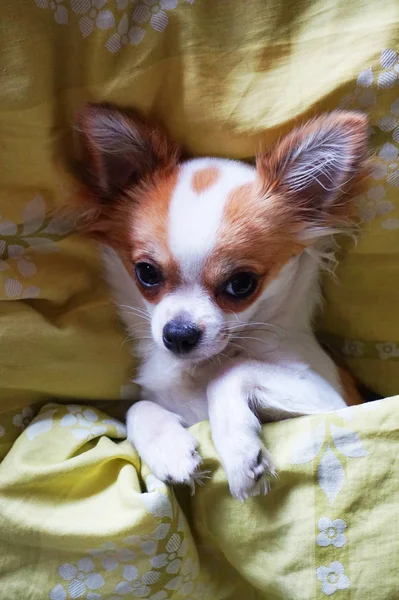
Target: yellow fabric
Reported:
[(80, 517), (224, 77)]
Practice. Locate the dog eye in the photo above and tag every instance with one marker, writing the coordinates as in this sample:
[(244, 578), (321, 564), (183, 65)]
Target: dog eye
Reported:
[(241, 285), (147, 274)]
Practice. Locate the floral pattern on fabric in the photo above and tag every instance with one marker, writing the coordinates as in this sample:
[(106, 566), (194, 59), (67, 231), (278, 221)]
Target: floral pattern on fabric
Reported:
[(128, 21)]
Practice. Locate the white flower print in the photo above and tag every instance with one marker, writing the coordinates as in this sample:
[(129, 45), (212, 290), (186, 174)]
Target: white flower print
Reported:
[(82, 580), (330, 474), (389, 62), (86, 422), (41, 424), (332, 578), (391, 122), (126, 34), (391, 223), (15, 290), (331, 532), (363, 96), (24, 263), (22, 419), (330, 471), (148, 543), (31, 234), (2, 431), (176, 549), (132, 583), (59, 10), (18, 242), (366, 78), (388, 152), (110, 555), (93, 15), (154, 12), (387, 350), (184, 582), (120, 428), (372, 204), (387, 165), (353, 348)]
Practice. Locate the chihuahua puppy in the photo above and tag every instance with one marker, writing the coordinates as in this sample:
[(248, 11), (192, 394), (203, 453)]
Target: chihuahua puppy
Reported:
[(214, 265)]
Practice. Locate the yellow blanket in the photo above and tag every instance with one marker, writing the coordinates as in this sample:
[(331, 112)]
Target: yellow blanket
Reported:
[(79, 516)]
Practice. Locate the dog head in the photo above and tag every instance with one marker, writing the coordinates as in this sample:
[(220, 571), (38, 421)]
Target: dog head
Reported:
[(207, 240)]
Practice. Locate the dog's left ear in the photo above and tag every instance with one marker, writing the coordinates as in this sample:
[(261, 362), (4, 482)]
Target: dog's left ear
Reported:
[(316, 169), (120, 149)]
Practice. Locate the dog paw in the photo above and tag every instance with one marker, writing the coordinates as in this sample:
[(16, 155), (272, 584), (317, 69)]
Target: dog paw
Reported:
[(175, 460), (250, 471)]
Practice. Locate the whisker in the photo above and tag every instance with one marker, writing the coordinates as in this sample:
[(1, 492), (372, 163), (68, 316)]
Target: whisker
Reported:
[(133, 332), (239, 337), (247, 337), (224, 356), (243, 323), (133, 308), (139, 316), (263, 330), (137, 311), (242, 348), (235, 314), (269, 326), (238, 346), (136, 339)]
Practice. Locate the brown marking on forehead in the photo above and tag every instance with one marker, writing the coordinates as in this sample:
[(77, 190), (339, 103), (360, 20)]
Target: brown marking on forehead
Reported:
[(204, 178), (254, 236)]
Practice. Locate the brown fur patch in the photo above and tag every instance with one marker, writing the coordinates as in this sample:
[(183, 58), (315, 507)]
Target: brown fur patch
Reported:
[(350, 393), (253, 238), (135, 225), (133, 169), (267, 223), (149, 235), (205, 178)]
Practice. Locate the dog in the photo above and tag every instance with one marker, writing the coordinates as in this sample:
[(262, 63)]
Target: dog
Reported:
[(214, 265)]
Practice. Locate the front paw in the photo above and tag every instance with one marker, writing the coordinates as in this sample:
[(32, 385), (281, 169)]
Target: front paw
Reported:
[(249, 470), (159, 437), (173, 458)]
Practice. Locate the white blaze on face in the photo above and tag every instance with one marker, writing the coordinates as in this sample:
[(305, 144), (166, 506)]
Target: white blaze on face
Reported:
[(195, 215), (196, 209)]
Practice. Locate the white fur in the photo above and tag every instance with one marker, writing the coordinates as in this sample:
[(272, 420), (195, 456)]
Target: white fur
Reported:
[(268, 371), (194, 218)]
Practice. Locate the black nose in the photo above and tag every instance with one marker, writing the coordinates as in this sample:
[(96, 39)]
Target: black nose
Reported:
[(180, 337)]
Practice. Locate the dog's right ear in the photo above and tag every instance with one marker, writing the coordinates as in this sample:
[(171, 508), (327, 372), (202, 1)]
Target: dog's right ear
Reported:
[(120, 149)]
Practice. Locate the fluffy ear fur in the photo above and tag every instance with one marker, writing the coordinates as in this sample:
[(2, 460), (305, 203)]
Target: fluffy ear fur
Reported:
[(120, 149), (316, 169)]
